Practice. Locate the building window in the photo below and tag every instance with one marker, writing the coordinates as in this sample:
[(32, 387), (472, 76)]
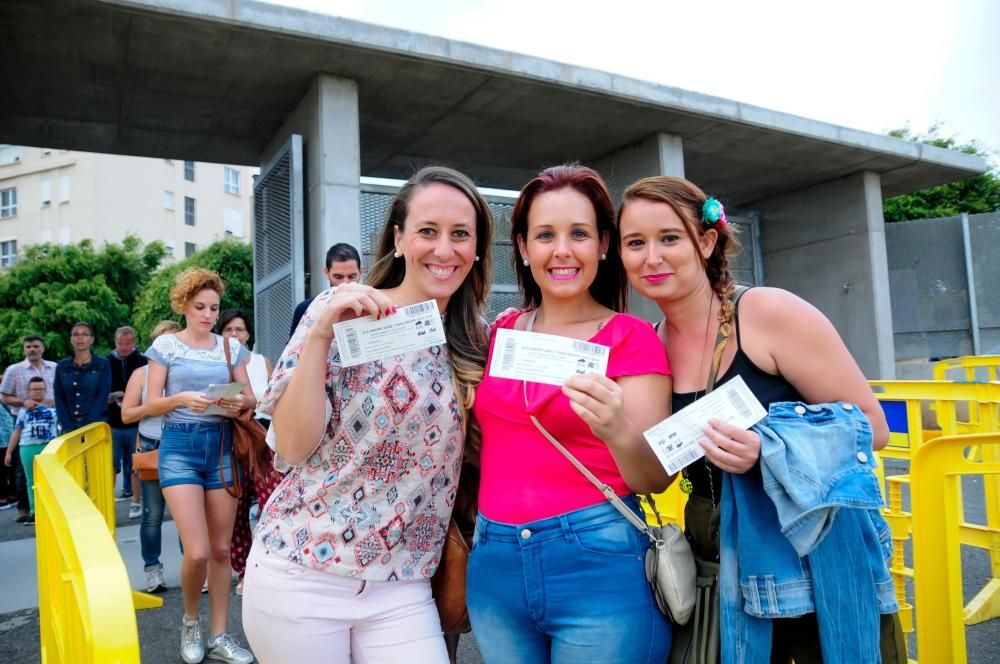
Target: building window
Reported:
[(46, 191), (232, 222), (232, 181), (189, 171), (8, 253), (189, 249), (10, 154), (8, 202), (168, 200), (168, 162), (64, 189), (189, 211)]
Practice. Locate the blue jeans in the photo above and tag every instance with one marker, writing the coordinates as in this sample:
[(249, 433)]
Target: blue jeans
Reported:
[(567, 589), (122, 445), (152, 512), (193, 453)]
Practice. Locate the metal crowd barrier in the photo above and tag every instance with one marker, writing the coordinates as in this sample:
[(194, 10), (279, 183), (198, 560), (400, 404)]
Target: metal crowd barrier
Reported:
[(86, 606), (938, 533)]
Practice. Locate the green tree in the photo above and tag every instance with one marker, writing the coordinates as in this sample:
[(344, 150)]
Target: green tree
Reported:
[(233, 260), (974, 195), (53, 286)]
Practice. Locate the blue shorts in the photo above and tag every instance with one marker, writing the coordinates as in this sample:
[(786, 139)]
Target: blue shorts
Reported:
[(191, 453)]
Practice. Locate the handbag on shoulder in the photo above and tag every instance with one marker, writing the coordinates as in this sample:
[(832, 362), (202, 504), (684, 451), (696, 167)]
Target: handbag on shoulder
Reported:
[(146, 464), (249, 448)]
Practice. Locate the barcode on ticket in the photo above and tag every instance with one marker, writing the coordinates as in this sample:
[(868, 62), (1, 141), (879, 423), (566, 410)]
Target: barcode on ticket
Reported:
[(419, 309), (507, 354), (589, 348), (683, 460), (740, 404), (353, 347)]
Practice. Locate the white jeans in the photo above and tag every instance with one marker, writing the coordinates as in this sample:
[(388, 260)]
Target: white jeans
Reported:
[(296, 614)]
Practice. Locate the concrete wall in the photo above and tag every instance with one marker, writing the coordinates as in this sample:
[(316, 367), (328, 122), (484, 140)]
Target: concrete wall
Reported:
[(656, 154), (826, 243), (111, 196), (327, 119)]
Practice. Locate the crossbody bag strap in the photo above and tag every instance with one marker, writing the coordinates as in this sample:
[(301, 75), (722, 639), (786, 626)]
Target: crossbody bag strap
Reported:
[(606, 490)]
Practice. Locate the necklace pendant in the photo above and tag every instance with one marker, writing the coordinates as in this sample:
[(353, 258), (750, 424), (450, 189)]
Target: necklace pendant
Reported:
[(686, 486)]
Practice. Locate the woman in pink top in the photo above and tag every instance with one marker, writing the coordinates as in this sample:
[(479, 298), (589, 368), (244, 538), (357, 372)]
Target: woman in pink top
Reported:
[(556, 573)]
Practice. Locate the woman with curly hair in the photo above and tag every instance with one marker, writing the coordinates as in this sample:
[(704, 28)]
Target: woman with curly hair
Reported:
[(196, 462)]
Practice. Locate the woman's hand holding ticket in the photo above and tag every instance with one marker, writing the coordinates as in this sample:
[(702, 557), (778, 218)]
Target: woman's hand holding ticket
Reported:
[(349, 301)]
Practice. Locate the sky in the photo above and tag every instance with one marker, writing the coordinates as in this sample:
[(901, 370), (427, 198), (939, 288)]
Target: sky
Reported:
[(873, 65)]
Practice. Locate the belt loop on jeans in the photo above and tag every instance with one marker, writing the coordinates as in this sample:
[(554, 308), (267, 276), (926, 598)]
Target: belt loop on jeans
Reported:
[(481, 526), (567, 529)]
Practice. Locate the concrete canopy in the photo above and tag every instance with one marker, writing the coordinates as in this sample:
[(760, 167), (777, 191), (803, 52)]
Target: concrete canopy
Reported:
[(212, 80)]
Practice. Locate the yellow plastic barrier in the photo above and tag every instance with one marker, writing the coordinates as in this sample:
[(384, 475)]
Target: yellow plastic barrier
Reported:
[(969, 369), (903, 401), (669, 505), (85, 602), (937, 535)]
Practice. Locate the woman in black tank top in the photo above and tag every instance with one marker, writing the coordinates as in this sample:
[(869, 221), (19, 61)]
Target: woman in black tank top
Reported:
[(676, 244)]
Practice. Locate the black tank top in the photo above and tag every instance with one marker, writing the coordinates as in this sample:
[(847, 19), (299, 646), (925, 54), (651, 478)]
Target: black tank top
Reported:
[(768, 389)]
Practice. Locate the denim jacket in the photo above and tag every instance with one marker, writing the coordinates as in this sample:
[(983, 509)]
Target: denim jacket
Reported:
[(815, 461)]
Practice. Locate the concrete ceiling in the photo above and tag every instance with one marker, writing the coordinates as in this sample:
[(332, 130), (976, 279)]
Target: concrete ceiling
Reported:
[(213, 80)]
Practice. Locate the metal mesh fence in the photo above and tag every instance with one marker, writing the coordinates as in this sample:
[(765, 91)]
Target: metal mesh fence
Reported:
[(929, 286)]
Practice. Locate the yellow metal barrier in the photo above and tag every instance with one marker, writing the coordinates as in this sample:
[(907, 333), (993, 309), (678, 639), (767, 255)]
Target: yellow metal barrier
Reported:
[(937, 515), (85, 602)]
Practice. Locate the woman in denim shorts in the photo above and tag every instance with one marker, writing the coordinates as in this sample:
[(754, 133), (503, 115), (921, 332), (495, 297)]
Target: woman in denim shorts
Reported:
[(196, 455), (136, 408)]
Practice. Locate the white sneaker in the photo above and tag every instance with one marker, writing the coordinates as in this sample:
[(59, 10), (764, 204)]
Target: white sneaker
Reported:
[(192, 649), (134, 511), (154, 580), (225, 649)]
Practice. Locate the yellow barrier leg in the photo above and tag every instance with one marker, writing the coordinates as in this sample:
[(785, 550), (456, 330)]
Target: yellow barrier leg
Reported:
[(986, 604), (145, 601), (899, 522)]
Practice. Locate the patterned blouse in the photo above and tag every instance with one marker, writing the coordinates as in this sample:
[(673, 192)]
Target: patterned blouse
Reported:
[(373, 500)]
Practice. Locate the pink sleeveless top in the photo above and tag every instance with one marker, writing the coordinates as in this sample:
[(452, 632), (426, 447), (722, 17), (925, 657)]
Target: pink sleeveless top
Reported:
[(525, 478)]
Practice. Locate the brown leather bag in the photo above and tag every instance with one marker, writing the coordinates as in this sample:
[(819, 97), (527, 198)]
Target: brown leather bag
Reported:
[(146, 464), (249, 448), (448, 582)]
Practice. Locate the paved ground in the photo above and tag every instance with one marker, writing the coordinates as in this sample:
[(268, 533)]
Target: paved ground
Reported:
[(158, 628)]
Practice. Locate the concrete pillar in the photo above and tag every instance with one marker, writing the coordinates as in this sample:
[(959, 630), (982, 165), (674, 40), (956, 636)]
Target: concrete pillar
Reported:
[(327, 118), (657, 154), (826, 243)]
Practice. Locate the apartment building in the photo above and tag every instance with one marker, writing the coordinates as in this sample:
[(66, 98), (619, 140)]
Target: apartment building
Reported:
[(65, 196)]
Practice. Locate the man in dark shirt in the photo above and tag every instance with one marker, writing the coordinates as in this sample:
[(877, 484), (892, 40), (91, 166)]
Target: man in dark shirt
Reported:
[(343, 264), (82, 383), (124, 359)]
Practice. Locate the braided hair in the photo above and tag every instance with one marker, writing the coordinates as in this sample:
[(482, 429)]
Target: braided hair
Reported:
[(688, 201)]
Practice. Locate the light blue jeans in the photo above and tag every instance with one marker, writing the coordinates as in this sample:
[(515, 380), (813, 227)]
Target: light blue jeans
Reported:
[(152, 512), (564, 590)]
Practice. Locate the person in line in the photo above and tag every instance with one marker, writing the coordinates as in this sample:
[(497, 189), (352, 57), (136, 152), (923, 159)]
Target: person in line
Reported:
[(14, 394), (124, 360), (343, 265), (340, 566), (676, 244), (8, 474), (195, 463), (82, 383), (236, 323), (35, 427), (136, 408), (556, 572)]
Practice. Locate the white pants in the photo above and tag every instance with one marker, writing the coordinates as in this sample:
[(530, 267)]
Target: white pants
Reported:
[(296, 615)]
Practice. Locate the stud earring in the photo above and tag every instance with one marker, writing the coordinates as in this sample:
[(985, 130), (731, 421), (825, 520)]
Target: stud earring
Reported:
[(477, 259), (526, 262), (396, 254), (604, 257)]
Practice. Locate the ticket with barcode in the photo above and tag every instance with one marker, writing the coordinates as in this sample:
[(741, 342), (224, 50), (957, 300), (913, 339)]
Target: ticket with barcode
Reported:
[(675, 439), (411, 328), (545, 358)]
